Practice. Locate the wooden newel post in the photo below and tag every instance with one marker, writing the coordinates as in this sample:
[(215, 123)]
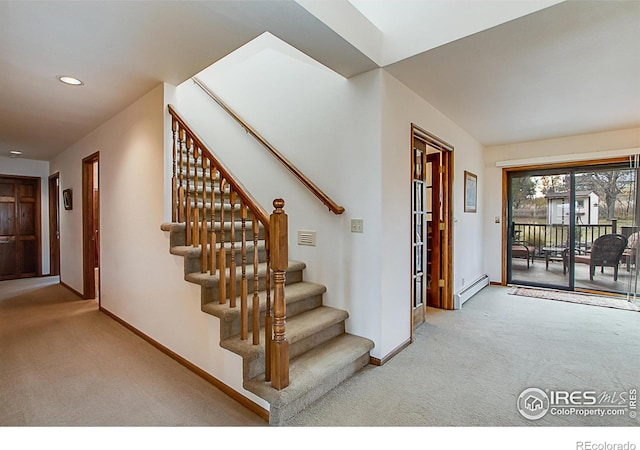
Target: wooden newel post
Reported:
[(279, 262)]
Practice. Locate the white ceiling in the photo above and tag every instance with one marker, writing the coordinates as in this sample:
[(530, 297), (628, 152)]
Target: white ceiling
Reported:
[(411, 27), (121, 50), (573, 68), (569, 68)]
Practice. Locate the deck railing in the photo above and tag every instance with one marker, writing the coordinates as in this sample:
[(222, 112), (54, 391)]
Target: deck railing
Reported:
[(557, 235), (215, 208)]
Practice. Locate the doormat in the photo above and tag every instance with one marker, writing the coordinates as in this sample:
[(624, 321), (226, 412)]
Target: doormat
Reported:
[(574, 297)]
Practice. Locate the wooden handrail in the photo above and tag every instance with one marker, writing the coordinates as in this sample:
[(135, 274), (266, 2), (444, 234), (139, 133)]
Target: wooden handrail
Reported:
[(324, 198)]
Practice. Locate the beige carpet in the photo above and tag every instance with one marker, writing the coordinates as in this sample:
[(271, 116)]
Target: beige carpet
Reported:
[(574, 297), (64, 363), (468, 367)]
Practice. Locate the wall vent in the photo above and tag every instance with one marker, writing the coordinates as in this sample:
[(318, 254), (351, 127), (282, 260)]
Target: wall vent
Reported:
[(306, 237)]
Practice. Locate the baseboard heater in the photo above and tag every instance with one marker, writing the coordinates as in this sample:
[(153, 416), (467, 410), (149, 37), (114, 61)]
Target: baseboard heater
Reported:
[(466, 293)]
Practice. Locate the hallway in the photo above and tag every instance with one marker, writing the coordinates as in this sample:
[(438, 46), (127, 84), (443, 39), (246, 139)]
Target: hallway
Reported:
[(64, 363)]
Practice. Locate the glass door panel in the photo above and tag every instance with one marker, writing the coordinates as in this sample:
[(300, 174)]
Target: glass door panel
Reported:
[(418, 211), (605, 210), (540, 219)]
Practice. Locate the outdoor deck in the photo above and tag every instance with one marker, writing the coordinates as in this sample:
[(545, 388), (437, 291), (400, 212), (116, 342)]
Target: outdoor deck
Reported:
[(538, 274)]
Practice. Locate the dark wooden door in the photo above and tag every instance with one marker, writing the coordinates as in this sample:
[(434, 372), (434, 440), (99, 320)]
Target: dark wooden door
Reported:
[(19, 227)]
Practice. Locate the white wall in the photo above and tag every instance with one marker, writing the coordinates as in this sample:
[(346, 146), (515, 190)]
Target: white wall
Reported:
[(352, 138), (401, 107), (140, 281), (584, 147), (40, 169)]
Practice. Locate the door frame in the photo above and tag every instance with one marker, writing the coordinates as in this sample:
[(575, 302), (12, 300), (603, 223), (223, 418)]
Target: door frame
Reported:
[(445, 267), (54, 224), (88, 228)]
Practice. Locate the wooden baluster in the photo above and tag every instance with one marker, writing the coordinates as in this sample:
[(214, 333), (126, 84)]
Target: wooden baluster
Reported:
[(279, 261), (206, 164), (189, 144), (174, 181), (255, 328), (181, 201), (232, 261), (204, 236), (189, 218), (188, 221), (181, 196), (196, 212), (268, 322), (212, 244), (244, 319), (222, 256)]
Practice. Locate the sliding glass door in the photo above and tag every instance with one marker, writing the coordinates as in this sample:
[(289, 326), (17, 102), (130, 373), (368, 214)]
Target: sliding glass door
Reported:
[(574, 228)]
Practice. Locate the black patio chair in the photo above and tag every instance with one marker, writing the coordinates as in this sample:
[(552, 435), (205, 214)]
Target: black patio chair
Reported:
[(605, 252)]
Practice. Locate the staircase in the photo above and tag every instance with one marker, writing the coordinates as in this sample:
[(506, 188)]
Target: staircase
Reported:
[(321, 353)]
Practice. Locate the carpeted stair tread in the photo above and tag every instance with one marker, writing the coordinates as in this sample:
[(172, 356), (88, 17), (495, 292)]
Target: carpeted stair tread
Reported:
[(313, 374), (207, 184), (311, 322), (169, 226), (177, 235), (299, 327), (189, 251), (179, 227), (217, 206), (293, 293), (192, 172), (206, 280)]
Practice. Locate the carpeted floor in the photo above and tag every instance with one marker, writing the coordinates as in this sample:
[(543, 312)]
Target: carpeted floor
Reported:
[(468, 367), (64, 363), (574, 297)]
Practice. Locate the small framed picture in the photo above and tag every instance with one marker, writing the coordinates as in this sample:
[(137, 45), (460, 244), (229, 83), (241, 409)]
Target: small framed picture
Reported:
[(470, 192), (67, 199)]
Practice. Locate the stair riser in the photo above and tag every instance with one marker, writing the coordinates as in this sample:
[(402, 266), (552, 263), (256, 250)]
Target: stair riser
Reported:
[(190, 174), (177, 237), (227, 216), (212, 294), (232, 328), (255, 367), (193, 188), (279, 415), (192, 263)]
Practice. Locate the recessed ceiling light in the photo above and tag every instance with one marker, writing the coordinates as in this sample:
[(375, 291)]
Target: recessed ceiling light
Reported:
[(15, 153), (70, 80)]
